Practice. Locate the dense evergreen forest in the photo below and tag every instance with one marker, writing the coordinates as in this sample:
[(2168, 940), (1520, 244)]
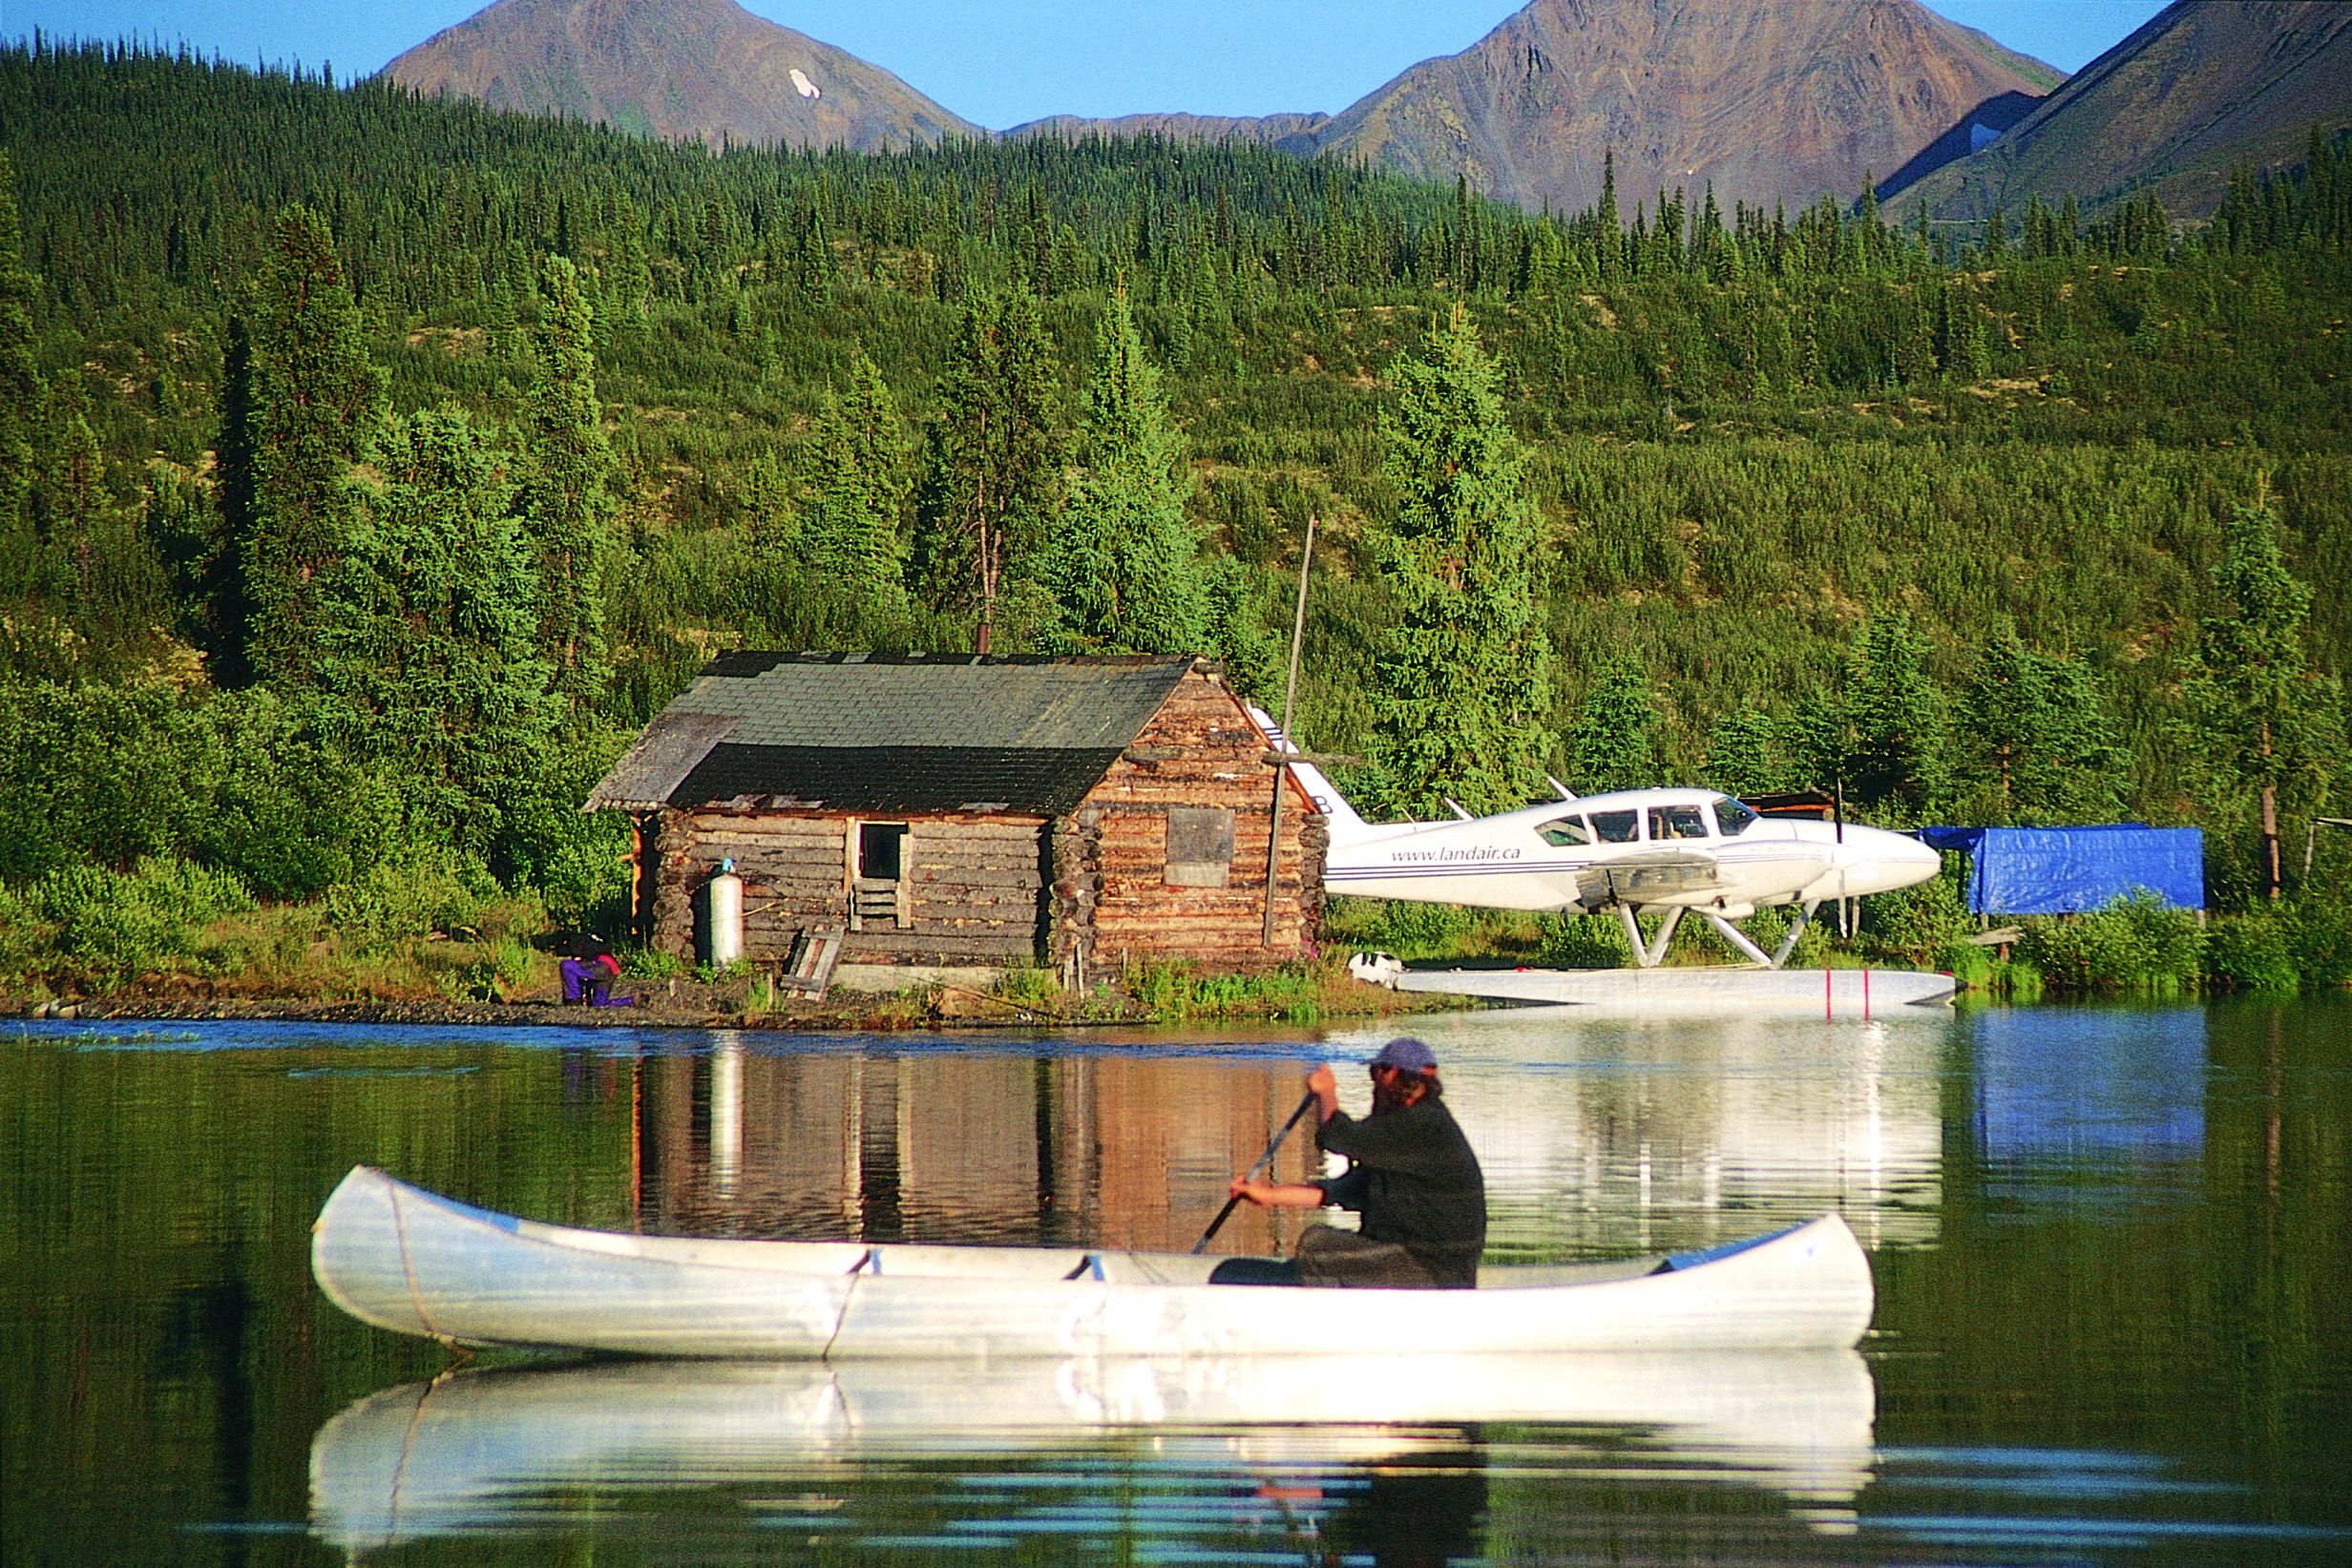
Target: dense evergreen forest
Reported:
[(370, 468)]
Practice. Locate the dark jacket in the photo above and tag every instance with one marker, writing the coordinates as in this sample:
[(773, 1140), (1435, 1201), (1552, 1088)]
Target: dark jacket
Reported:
[(1415, 1182)]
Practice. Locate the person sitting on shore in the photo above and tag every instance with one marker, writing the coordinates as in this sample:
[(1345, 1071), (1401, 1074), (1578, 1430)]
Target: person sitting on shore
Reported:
[(589, 969), (1413, 1177)]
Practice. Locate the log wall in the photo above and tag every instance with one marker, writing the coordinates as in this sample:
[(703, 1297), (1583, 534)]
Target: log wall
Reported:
[(1112, 899), (975, 885)]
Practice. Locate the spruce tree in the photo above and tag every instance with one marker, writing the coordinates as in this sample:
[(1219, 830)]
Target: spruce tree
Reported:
[(2042, 736), (2262, 722), (317, 404), (567, 485), (992, 461), (1121, 565), (1234, 626), (850, 533), (1461, 688), (1896, 757), (428, 660), (1743, 752), (1612, 740)]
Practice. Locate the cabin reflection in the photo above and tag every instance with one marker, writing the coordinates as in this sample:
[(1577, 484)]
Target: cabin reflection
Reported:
[(1120, 1152)]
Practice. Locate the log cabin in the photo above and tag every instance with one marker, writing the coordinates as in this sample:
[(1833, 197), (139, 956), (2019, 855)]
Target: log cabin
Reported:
[(954, 811)]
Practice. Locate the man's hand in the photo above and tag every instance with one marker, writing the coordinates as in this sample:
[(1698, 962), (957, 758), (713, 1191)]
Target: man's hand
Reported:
[(1326, 1090)]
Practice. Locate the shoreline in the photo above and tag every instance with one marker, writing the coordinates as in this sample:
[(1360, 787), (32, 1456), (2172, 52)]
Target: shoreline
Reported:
[(848, 1012)]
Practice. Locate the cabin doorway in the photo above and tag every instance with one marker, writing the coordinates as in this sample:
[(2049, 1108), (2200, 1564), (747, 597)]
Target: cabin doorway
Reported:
[(878, 880)]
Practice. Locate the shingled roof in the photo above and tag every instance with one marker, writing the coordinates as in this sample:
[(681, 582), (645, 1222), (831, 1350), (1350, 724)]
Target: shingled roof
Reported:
[(893, 732)]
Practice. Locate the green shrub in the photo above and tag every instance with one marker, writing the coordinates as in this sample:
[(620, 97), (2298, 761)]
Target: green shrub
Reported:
[(1926, 924), (182, 891), (20, 934), (1584, 941), (425, 889), (2252, 950), (113, 925), (1420, 930), (649, 964), (1029, 984), (2323, 943), (2137, 946), (1175, 992)]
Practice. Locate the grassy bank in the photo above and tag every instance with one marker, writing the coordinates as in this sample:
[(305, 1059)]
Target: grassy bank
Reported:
[(431, 935), (2134, 947)]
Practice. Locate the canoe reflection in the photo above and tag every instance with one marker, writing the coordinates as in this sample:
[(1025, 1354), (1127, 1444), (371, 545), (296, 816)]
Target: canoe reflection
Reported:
[(481, 1450)]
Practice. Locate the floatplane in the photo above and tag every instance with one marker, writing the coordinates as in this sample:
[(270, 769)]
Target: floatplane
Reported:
[(1669, 850)]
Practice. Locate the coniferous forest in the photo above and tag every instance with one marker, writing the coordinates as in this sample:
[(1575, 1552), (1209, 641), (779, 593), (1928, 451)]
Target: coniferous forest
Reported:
[(372, 468)]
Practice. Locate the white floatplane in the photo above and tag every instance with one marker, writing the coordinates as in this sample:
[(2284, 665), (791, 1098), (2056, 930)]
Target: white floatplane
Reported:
[(407, 1259), (1632, 850)]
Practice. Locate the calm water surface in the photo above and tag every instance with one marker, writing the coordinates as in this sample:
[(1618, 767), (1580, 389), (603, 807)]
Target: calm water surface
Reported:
[(2113, 1251)]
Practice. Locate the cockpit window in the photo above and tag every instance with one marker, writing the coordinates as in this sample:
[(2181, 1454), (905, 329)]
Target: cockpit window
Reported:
[(1567, 833), (1732, 817), (1617, 827), (1676, 822)]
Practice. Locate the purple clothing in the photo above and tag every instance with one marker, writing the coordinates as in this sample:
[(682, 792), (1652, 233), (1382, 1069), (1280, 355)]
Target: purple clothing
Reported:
[(589, 980)]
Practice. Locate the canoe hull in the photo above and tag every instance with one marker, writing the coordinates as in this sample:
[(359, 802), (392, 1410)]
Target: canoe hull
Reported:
[(409, 1261)]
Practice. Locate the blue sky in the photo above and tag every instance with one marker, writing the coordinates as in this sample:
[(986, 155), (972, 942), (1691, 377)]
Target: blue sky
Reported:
[(1000, 62)]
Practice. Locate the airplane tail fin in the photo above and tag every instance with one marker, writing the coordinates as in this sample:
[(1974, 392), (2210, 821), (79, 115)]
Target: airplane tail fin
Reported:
[(1345, 823)]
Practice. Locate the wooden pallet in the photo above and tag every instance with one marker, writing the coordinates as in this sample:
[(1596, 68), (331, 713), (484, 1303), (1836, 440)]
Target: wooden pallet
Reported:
[(815, 953)]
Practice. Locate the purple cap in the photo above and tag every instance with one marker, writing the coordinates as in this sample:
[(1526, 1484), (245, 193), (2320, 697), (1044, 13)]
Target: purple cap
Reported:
[(1408, 1053)]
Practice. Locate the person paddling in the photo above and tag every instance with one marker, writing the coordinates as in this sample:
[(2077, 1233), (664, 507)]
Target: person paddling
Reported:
[(1413, 1177)]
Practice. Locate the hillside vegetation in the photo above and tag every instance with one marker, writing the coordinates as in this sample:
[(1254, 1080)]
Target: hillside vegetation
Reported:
[(371, 466)]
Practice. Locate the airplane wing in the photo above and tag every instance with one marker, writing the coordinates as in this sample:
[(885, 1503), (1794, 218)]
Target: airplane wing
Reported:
[(1649, 878)]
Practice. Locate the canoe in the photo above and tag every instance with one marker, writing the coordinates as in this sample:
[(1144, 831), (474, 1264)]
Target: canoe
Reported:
[(496, 1450), (411, 1261)]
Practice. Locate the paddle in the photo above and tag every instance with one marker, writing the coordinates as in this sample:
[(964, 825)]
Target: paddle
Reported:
[(1251, 1174)]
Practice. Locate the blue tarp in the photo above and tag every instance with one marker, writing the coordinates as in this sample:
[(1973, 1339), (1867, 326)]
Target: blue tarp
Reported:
[(2066, 870)]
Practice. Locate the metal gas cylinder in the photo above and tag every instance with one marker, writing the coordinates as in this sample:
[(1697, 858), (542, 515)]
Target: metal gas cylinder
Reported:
[(722, 917)]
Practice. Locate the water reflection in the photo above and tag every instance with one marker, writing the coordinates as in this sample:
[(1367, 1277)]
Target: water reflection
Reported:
[(1598, 1136), (1619, 1135), (1101, 1150), (2090, 1081), (1371, 1453)]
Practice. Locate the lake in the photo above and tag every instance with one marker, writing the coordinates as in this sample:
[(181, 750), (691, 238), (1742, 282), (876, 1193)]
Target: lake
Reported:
[(2112, 1248)]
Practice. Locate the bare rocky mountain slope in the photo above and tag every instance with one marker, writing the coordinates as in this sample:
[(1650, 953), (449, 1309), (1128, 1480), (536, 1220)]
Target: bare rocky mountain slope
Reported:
[(675, 68), (1770, 100), (2200, 87)]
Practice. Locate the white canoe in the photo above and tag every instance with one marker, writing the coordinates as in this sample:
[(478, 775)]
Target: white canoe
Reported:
[(404, 1259), (478, 1451)]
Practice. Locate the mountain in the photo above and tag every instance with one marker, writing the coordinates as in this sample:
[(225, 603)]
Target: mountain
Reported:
[(2200, 87), (1770, 100), (675, 68)]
